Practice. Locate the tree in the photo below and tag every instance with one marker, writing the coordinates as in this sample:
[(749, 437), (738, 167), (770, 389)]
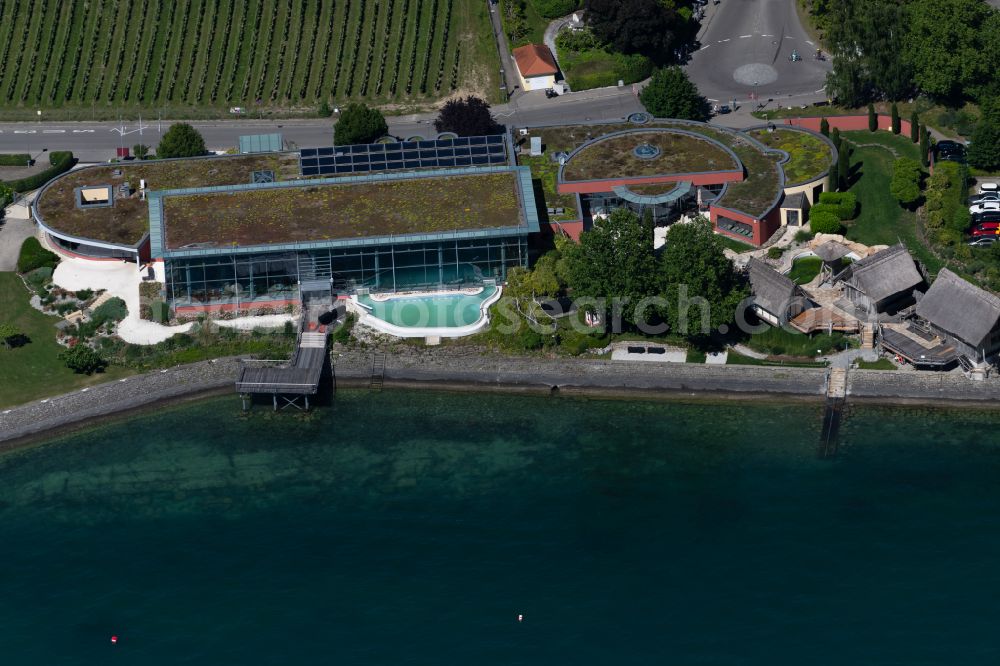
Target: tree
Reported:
[(470, 116), (140, 150), (671, 94), (81, 359), (359, 124), (950, 43), (984, 153), (8, 334), (925, 145), (648, 27), (844, 166), (324, 110), (872, 118), (615, 260), (835, 137), (693, 266), (824, 222), (914, 127), (824, 127), (905, 183), (181, 140), (895, 118)]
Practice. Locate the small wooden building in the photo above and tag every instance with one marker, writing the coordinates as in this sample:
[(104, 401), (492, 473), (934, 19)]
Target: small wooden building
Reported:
[(776, 298), (882, 282), (963, 313)]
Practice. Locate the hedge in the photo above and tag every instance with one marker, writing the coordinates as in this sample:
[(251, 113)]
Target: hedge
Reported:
[(824, 222), (845, 203), (33, 256), (61, 161), (20, 159), (555, 8)]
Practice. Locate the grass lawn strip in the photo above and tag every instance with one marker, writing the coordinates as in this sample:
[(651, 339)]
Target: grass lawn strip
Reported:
[(546, 171), (809, 156), (34, 370), (315, 213), (805, 269), (127, 221)]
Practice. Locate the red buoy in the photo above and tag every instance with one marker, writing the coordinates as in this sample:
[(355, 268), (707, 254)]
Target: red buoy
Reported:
[(114, 639)]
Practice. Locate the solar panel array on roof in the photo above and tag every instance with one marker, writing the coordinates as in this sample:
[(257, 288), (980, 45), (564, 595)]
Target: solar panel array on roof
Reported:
[(435, 153)]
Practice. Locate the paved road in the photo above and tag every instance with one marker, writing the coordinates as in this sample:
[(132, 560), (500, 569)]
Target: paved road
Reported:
[(747, 41), (97, 141)]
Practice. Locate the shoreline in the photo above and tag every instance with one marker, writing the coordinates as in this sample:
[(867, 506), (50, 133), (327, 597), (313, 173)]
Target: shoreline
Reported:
[(467, 369)]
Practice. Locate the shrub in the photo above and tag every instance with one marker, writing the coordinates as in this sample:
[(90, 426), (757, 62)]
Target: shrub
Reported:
[(775, 252), (33, 256), (81, 359), (159, 312), (554, 8), (181, 140), (324, 110), (872, 118), (824, 222), (61, 161), (343, 333), (895, 119), (824, 127), (905, 183), (359, 124), (914, 127), (803, 236), (20, 159), (846, 203), (113, 309)]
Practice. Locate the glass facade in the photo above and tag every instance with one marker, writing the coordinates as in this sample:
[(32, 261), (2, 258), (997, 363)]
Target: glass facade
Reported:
[(603, 204), (247, 278)]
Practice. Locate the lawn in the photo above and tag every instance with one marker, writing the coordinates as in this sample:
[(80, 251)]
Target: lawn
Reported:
[(809, 156), (880, 364), (546, 171), (881, 220), (733, 244), (597, 68), (316, 213), (78, 59), (805, 269), (126, 222), (34, 370), (735, 358), (615, 157), (780, 342)]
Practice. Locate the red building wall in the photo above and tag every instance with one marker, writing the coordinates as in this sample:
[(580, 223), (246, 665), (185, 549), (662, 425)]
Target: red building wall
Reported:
[(849, 123), (591, 187)]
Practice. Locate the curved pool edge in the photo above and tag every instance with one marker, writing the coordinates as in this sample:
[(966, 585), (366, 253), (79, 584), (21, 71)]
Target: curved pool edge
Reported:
[(366, 318)]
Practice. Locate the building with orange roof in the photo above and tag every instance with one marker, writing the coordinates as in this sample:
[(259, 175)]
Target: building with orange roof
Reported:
[(536, 67)]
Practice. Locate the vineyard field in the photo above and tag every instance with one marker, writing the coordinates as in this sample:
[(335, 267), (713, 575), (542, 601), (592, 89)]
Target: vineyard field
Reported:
[(199, 58)]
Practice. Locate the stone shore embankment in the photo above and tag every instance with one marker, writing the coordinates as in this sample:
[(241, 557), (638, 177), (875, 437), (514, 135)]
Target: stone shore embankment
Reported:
[(466, 368)]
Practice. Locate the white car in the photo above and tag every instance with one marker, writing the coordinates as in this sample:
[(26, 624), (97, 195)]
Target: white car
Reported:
[(989, 188), (985, 207)]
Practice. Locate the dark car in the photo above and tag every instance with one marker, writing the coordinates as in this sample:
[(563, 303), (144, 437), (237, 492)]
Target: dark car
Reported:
[(990, 216), (550, 93), (724, 109), (950, 150)]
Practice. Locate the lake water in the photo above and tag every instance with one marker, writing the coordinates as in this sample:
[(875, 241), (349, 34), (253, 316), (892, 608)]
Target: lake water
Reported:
[(414, 528)]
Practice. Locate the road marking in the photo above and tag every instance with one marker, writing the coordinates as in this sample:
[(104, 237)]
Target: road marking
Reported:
[(745, 36), (704, 47), (808, 42), (767, 35), (820, 90), (80, 131), (53, 131), (786, 37), (25, 131), (723, 40), (710, 99)]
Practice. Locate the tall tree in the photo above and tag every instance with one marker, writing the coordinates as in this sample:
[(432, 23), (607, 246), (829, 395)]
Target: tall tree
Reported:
[(470, 116), (615, 260), (359, 124), (671, 94), (824, 127), (949, 43), (914, 127), (866, 37), (872, 118), (181, 140), (648, 27), (844, 166), (894, 116), (693, 266), (925, 145), (984, 153)]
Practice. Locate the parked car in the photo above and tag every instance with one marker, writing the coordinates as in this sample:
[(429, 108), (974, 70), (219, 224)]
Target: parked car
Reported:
[(981, 198), (976, 233), (983, 241), (985, 207), (983, 218), (986, 225), (724, 109), (989, 188)]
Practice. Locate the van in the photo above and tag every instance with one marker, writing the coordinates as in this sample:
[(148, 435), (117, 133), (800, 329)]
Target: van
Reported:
[(985, 188)]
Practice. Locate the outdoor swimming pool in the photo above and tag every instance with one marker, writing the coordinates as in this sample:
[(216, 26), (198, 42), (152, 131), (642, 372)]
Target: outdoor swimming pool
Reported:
[(430, 311)]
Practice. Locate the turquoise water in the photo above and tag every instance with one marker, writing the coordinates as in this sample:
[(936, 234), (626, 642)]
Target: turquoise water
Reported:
[(413, 528), (431, 311)]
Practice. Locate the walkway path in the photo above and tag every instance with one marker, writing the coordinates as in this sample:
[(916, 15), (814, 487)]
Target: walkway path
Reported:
[(16, 226)]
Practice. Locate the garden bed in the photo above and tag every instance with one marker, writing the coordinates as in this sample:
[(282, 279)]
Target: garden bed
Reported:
[(127, 221), (809, 156), (325, 212)]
